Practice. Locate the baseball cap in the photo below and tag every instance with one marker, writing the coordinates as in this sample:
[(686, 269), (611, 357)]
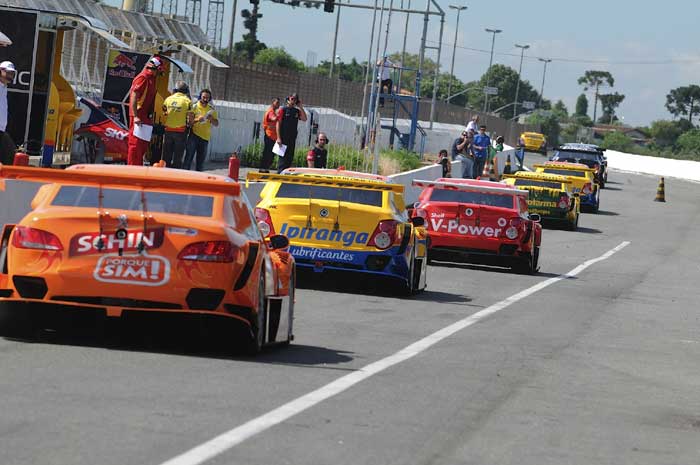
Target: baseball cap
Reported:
[(8, 66)]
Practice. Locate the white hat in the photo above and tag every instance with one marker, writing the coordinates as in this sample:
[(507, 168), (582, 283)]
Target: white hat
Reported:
[(8, 66)]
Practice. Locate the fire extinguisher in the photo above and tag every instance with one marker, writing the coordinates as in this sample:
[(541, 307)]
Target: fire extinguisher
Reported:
[(21, 159), (234, 165)]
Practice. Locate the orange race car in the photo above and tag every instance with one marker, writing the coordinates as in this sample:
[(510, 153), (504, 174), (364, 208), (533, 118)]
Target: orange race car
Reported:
[(124, 240)]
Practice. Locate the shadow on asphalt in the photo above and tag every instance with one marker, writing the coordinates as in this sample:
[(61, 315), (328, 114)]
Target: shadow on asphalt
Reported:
[(608, 188), (473, 266), (584, 230), (607, 213), (303, 355)]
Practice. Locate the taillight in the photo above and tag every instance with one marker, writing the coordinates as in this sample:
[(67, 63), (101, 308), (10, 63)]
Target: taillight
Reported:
[(384, 234), (564, 201), (264, 222), (209, 251), (587, 188), (30, 238)]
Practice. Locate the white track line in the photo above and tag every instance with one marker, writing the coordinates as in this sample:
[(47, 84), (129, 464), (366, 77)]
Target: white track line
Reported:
[(232, 438)]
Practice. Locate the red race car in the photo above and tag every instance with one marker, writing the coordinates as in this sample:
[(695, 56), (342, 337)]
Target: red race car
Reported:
[(479, 221)]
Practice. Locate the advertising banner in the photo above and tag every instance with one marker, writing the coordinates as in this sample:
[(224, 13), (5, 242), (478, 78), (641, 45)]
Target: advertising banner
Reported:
[(122, 68)]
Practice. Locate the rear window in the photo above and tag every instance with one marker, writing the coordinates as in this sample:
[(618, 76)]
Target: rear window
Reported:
[(477, 198), (580, 174), (342, 194), (560, 155), (536, 183), (124, 199)]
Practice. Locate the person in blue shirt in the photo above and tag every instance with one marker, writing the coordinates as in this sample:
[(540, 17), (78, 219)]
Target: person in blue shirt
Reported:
[(480, 148)]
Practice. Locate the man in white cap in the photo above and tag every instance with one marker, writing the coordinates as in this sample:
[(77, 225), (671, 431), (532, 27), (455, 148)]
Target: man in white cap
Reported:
[(7, 146), (142, 99)]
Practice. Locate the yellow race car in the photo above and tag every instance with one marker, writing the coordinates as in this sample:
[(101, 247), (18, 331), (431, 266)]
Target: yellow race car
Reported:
[(533, 142), (550, 196), (582, 179), (345, 221)]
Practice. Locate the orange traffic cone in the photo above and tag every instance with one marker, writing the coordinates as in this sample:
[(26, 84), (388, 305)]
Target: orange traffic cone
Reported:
[(507, 168), (485, 173), (660, 192)]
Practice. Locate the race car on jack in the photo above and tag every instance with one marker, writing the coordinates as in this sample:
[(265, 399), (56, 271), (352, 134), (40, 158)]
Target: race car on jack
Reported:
[(345, 221), (480, 222), (582, 180), (126, 241), (550, 196)]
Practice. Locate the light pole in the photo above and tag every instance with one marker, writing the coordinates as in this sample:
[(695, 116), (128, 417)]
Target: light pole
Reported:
[(488, 71), (520, 70), (335, 42), (544, 73), (454, 49)]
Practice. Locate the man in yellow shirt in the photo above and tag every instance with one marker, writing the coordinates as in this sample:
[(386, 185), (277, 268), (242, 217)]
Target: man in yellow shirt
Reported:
[(204, 118), (176, 107)]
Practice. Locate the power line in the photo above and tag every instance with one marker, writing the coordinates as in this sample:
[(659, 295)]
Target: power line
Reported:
[(582, 61)]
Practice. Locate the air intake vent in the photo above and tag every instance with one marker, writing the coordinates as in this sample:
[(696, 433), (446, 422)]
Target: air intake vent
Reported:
[(30, 287), (204, 299)]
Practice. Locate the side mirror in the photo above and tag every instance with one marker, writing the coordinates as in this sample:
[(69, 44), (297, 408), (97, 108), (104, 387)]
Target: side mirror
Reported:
[(279, 241), (535, 217), (418, 221)]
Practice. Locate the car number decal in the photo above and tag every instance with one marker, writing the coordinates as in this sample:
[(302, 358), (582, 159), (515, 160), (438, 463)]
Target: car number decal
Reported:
[(141, 270)]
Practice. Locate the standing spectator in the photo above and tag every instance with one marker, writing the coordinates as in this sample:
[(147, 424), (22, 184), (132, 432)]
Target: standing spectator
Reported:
[(142, 98), (287, 121), (270, 128), (459, 145), (204, 117), (384, 78), (444, 160), (482, 142), (499, 144), (176, 107), (461, 151), (318, 156), (7, 146), (473, 125)]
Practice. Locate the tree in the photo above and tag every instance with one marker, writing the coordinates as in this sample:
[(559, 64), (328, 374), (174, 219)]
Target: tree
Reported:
[(689, 142), (505, 79), (408, 77), (610, 102), (593, 80), (352, 71), (279, 57), (684, 100), (616, 140), (560, 110), (443, 83), (250, 45), (666, 133), (581, 105)]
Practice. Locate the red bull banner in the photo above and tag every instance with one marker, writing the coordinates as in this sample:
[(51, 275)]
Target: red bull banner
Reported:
[(122, 68)]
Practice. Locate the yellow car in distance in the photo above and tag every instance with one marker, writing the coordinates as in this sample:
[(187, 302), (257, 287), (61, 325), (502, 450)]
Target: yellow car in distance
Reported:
[(533, 142), (345, 221), (582, 179), (550, 196)]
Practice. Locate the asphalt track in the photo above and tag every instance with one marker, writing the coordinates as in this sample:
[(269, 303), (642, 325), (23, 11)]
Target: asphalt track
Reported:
[(598, 367)]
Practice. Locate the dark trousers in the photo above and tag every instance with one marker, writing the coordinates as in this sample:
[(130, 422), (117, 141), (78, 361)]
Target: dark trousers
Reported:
[(195, 146), (479, 166), (267, 155), (7, 149), (389, 84), (288, 158), (173, 148)]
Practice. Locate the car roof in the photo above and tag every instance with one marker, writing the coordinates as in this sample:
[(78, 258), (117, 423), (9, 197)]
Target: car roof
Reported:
[(564, 165), (539, 176), (471, 182), (588, 148), (532, 133)]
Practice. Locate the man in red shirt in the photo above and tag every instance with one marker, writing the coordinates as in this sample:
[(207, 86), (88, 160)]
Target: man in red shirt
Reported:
[(270, 126), (142, 97)]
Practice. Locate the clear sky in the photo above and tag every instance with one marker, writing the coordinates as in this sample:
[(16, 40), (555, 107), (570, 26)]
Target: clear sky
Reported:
[(649, 47)]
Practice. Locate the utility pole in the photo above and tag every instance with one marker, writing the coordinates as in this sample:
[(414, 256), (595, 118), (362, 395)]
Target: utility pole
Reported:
[(454, 50), (405, 34), (488, 71), (370, 67), (229, 71), (335, 41), (544, 73), (437, 72), (520, 70)]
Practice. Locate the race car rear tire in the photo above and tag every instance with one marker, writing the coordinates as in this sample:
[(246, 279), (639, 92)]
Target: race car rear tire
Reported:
[(409, 284), (528, 263), (573, 225), (257, 341)]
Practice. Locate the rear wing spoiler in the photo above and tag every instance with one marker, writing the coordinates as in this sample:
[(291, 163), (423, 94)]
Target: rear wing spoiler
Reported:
[(564, 166), (145, 179), (312, 180), (533, 176), (470, 187)]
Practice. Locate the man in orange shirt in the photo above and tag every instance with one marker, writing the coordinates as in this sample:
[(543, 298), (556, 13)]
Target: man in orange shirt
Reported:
[(270, 126), (142, 98)]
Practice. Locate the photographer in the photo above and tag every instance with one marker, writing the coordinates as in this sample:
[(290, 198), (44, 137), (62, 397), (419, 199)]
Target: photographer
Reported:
[(287, 121), (461, 151)]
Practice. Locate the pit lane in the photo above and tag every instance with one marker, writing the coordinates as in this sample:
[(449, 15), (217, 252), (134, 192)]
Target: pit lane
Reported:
[(595, 367)]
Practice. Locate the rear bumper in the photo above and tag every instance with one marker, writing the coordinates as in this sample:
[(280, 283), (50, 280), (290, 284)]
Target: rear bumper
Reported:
[(391, 262), (483, 250), (554, 214), (590, 200)]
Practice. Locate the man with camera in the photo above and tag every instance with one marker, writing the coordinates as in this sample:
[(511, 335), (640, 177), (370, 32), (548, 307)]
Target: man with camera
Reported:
[(318, 155), (288, 119)]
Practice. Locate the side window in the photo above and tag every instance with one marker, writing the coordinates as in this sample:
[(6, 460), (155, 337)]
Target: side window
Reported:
[(397, 206), (245, 219)]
